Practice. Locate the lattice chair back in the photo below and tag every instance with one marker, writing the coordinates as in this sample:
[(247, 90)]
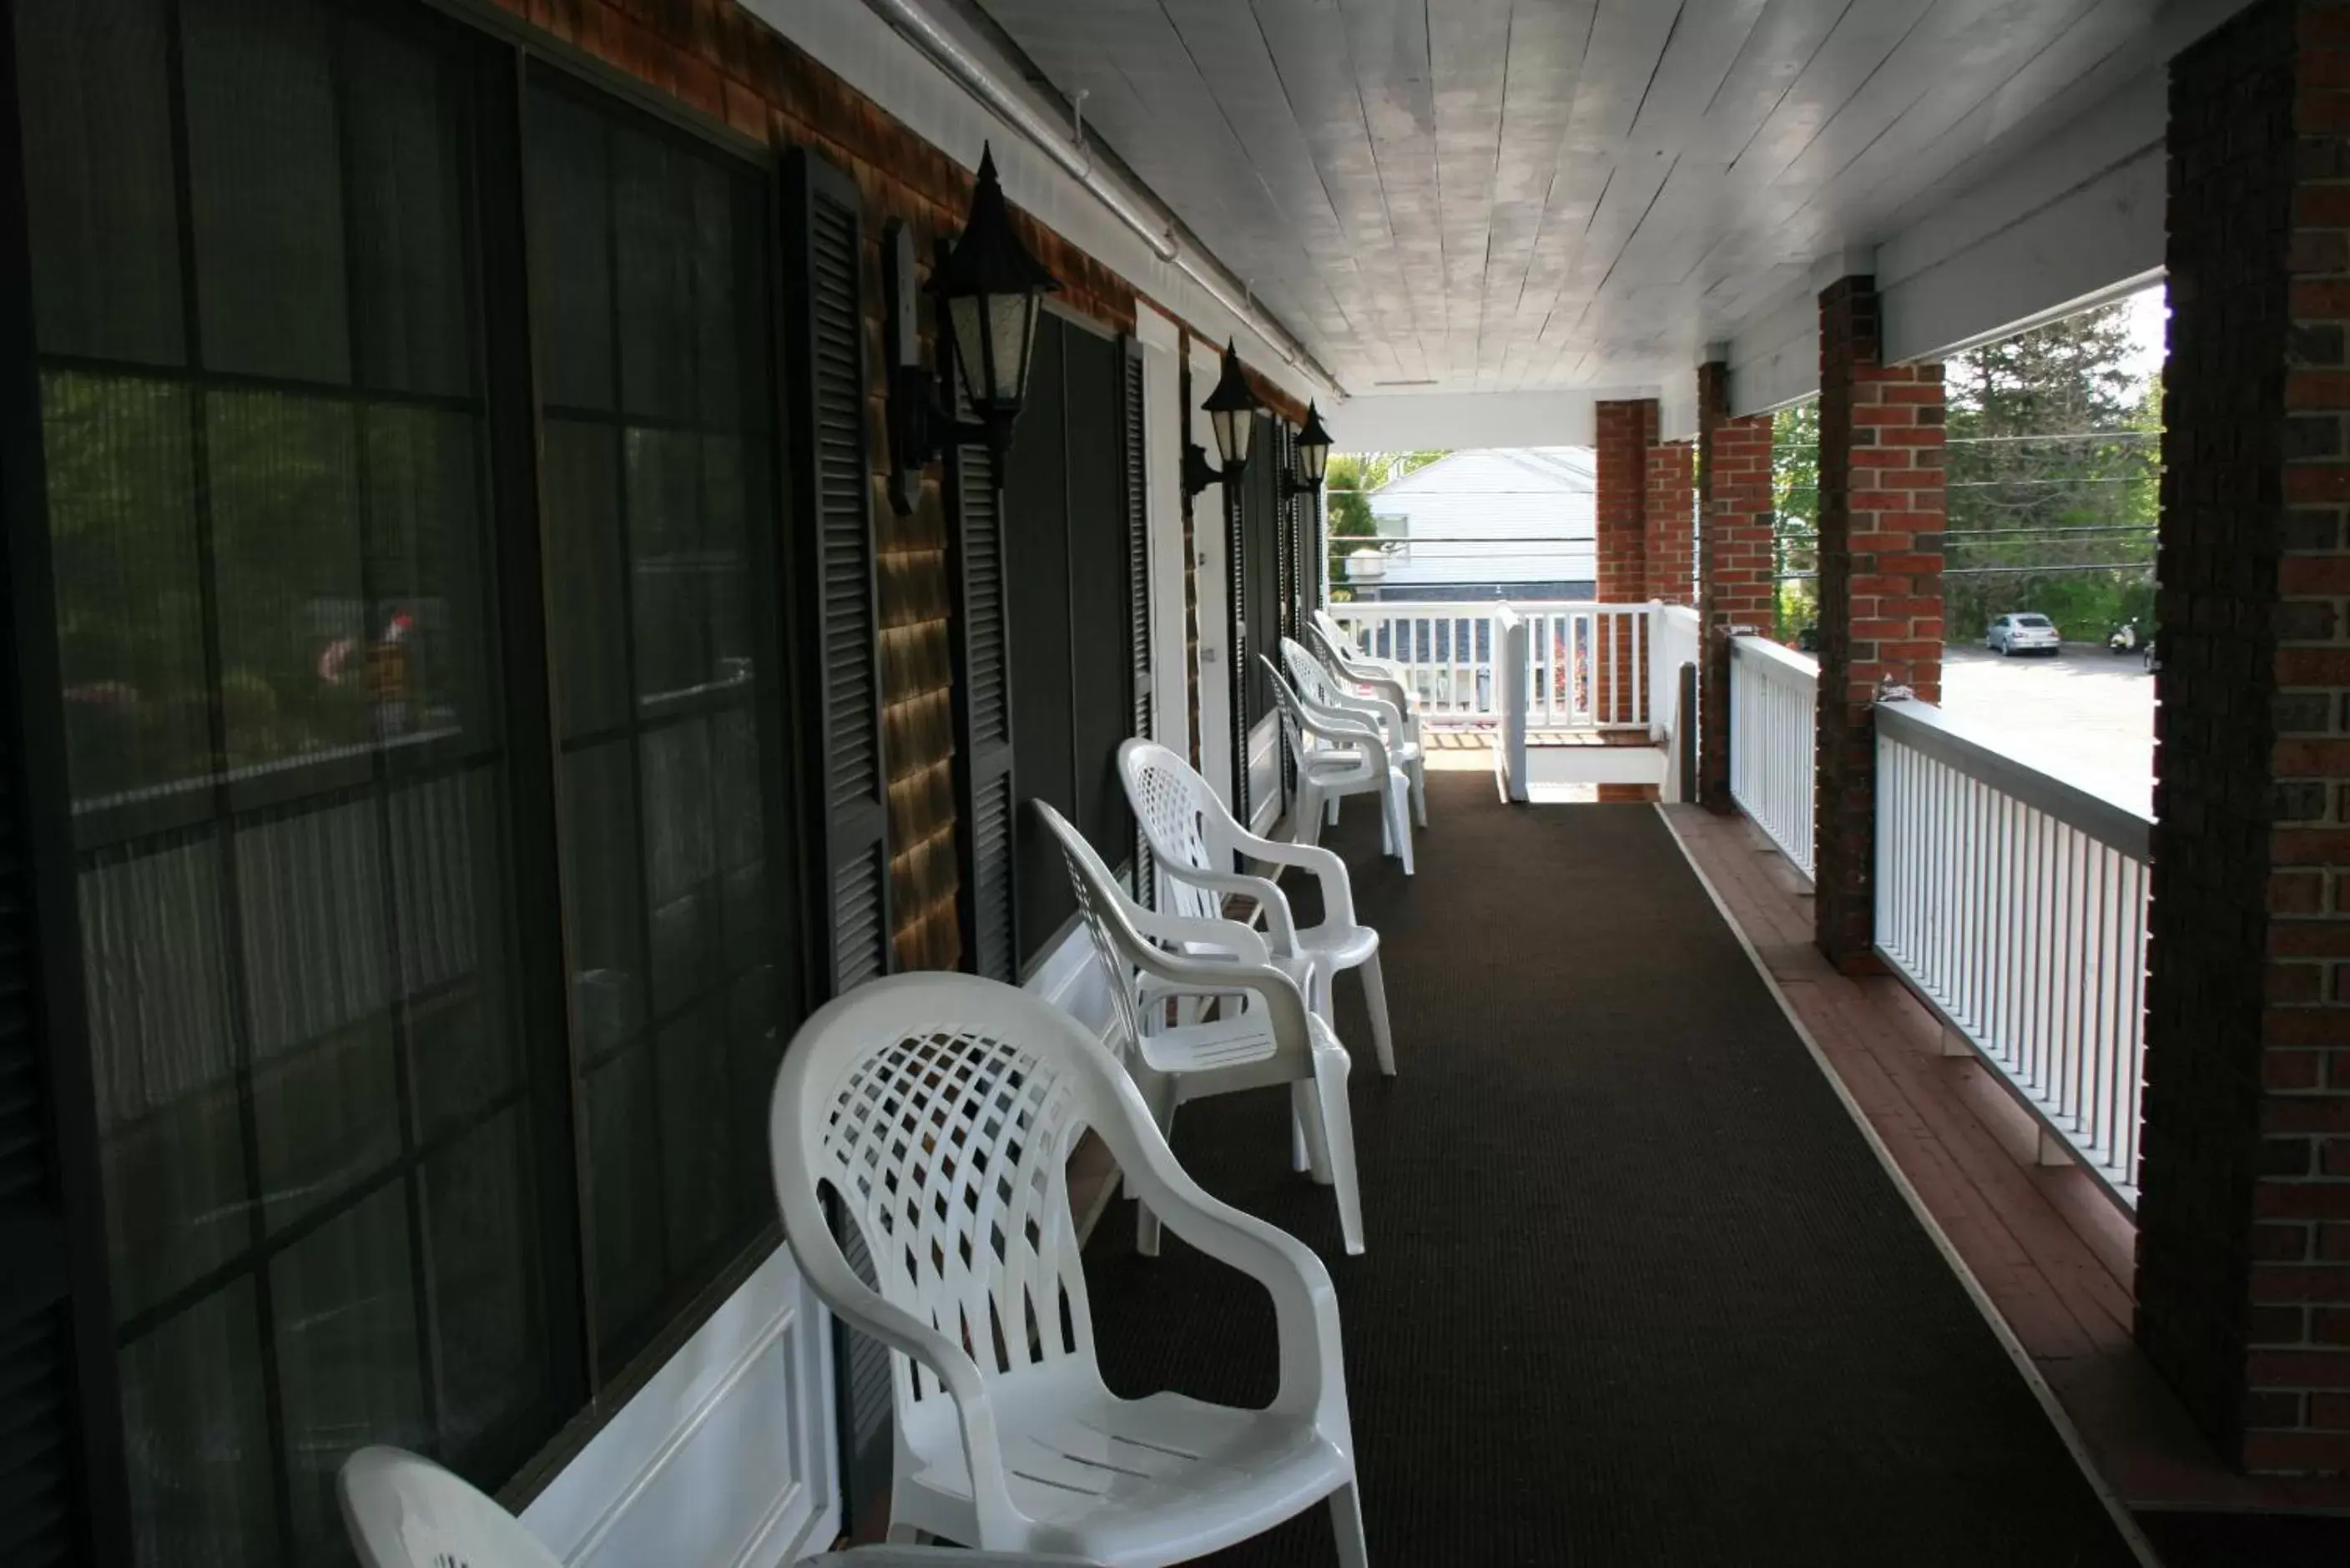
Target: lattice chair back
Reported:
[(1309, 733), (942, 1116), (402, 1510), (1175, 807), (1327, 625), (1312, 676), (1103, 905)]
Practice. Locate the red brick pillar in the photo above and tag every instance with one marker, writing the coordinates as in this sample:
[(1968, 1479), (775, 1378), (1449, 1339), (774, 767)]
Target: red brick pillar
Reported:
[(1880, 585), (1672, 523), (2243, 1256), (1625, 431), (1733, 464)]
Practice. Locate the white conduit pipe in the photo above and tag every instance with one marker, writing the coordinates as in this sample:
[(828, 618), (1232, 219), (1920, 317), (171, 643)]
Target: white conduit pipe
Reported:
[(1157, 230)]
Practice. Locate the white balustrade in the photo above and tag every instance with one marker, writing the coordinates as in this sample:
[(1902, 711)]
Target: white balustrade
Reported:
[(2015, 904), (1588, 665), (1773, 714), (1510, 745)]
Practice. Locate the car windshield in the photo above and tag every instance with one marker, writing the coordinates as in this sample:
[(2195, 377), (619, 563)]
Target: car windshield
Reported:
[(2032, 621)]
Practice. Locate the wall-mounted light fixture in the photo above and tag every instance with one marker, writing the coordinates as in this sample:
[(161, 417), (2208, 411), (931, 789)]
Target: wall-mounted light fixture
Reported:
[(1231, 413), (1312, 446), (989, 291)]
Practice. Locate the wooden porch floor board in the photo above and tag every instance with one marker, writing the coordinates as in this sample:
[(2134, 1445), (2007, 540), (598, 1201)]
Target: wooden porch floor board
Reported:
[(2049, 1250)]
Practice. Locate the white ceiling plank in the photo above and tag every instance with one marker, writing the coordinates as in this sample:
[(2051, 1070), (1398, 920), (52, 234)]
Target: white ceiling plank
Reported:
[(1502, 195)]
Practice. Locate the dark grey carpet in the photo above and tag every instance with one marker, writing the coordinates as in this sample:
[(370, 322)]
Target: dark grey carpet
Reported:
[(1637, 1290), (2248, 1539)]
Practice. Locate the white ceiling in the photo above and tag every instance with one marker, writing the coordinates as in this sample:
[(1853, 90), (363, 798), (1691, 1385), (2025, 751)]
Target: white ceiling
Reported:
[(1491, 195)]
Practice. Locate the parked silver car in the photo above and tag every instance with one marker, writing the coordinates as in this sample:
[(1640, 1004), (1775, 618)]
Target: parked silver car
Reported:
[(2022, 633)]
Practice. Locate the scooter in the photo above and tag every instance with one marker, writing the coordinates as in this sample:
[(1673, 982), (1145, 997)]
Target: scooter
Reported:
[(2124, 639)]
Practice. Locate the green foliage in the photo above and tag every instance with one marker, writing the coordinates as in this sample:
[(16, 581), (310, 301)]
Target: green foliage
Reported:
[(1347, 483), (1795, 517), (2054, 451)]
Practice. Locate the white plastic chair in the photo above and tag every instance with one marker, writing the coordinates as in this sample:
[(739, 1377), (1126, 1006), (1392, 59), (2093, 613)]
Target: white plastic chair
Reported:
[(1263, 1034), (1194, 841), (941, 1109), (1337, 755), (1322, 689), (402, 1510), (1353, 658), (1373, 677)]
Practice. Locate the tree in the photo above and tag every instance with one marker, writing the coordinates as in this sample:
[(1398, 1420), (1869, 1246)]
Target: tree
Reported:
[(1795, 517), (2054, 448), (1348, 483)]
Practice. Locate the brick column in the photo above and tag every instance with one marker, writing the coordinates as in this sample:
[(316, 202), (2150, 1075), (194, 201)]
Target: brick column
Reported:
[(2243, 1258), (1881, 585), (1734, 462), (1625, 431), (1672, 523)]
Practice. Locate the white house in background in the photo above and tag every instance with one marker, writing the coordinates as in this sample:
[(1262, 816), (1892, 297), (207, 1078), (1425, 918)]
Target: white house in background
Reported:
[(1505, 523)]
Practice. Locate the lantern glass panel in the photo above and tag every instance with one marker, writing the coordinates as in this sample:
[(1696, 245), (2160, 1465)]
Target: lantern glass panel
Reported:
[(1233, 427)]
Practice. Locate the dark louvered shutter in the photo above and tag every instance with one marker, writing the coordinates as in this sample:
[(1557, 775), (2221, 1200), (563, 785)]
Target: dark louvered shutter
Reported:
[(841, 675), (1138, 583), (1285, 516), (826, 357), (983, 700), (63, 1496), (1236, 578)]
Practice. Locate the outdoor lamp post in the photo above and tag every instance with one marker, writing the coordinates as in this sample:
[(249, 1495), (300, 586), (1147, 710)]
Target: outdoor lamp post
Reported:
[(1231, 413), (989, 292), (1312, 445)]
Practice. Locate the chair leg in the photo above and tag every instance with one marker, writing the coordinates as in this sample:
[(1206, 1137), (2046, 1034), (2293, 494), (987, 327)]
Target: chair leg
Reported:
[(1331, 805), (1399, 814), (1300, 1160), (1307, 1114), (1338, 1138), (1387, 825), (1160, 1097), (1419, 792), (1374, 997), (1346, 1524), (1305, 825)]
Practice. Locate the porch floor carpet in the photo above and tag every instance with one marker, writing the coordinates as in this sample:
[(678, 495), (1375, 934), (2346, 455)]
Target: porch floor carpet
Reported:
[(1637, 1291)]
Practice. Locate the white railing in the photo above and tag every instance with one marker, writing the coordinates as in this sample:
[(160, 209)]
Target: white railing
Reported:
[(2015, 904), (1674, 640), (1588, 665), (1510, 742), (1774, 714)]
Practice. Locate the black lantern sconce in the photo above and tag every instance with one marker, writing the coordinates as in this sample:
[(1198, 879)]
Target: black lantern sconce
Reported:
[(1312, 446), (1231, 412), (989, 292)]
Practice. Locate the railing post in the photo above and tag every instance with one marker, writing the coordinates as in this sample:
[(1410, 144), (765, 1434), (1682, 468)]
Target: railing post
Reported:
[(1880, 550)]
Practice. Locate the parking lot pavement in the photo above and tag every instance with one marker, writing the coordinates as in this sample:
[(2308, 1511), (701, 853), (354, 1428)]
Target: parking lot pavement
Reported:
[(2085, 715)]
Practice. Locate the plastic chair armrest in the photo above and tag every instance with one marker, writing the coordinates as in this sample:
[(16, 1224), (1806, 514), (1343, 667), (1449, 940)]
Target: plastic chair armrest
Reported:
[(1305, 1303), (866, 1310), (1242, 944), (1325, 865), (1345, 730), (1387, 688), (1280, 923)]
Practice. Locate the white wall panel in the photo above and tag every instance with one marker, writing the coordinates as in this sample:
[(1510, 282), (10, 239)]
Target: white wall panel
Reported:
[(726, 1458), (1163, 432)]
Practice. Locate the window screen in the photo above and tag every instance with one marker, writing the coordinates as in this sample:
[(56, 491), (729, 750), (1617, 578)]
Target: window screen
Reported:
[(330, 924), (648, 261), (333, 1159)]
